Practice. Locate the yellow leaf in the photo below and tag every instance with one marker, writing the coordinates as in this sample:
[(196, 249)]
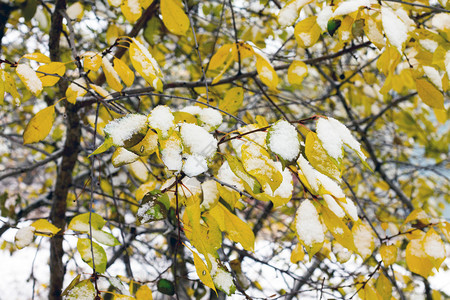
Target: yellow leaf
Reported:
[(236, 229), (75, 90), (384, 287), (368, 292), (45, 228), (124, 71), (363, 238), (92, 61), (297, 254), (131, 10), (417, 260), (266, 72), (441, 115), (430, 94), (75, 11), (388, 254), (39, 57), (56, 68), (10, 86), (309, 227), (251, 184), (101, 91), (233, 100), (434, 248), (319, 158), (297, 72), (103, 147), (123, 157), (345, 30), (202, 271), (221, 57), (112, 77), (445, 228), (338, 229), (258, 163), (374, 32), (2, 91), (39, 126), (144, 63), (290, 12), (29, 78), (174, 17), (113, 32), (148, 145), (144, 293), (307, 32)]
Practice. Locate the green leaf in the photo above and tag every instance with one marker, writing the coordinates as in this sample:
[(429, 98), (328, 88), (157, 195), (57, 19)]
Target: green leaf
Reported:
[(333, 25), (153, 207), (100, 260), (166, 287)]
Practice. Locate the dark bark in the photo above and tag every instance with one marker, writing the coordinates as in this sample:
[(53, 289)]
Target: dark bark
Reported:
[(66, 167), (5, 11)]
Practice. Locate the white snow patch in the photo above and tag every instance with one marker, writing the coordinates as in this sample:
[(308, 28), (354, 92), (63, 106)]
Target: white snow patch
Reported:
[(210, 194), (134, 6), (198, 140), (300, 71), (434, 247), (347, 7), (194, 165), (266, 73), (289, 14), (441, 21), (308, 225), (350, 209), (24, 236), (394, 28), (286, 187), (123, 156), (333, 134), (434, 76), (171, 154), (364, 240), (161, 118), (324, 16), (225, 174), (30, 78), (283, 140), (124, 128), (211, 117), (428, 44), (143, 57), (333, 205), (306, 38)]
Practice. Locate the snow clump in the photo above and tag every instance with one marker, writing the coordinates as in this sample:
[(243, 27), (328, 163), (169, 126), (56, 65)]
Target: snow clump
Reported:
[(120, 130), (308, 225), (161, 119), (282, 140), (24, 236)]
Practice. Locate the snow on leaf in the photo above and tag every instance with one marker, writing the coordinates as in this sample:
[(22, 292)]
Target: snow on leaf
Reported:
[(338, 229), (81, 222), (388, 254), (144, 63), (170, 150), (84, 290), (75, 90), (122, 157), (162, 120), (147, 146), (320, 159), (283, 193), (92, 61), (282, 139), (45, 228), (29, 78), (395, 29), (309, 227), (99, 257), (416, 258), (222, 278), (39, 57), (434, 247), (210, 194), (197, 140), (39, 126), (238, 169), (257, 163), (75, 11), (174, 17), (333, 205), (126, 131), (131, 9), (194, 164), (24, 237), (139, 170), (347, 7), (297, 72), (266, 72), (364, 239), (112, 77), (307, 32), (105, 238), (290, 12)]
